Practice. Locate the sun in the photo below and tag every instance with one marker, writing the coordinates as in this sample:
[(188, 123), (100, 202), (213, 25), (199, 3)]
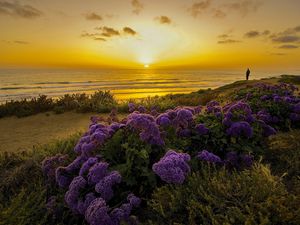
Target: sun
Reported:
[(146, 65)]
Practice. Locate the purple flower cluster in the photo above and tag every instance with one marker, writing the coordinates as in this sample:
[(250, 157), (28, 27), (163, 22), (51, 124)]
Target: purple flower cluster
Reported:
[(146, 125), (99, 213), (173, 167), (238, 129), (50, 164), (96, 136), (201, 129), (131, 107), (213, 107), (235, 160), (209, 157), (232, 159), (92, 175), (180, 118)]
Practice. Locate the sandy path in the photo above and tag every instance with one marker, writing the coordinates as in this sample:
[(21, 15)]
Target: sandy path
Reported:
[(18, 134)]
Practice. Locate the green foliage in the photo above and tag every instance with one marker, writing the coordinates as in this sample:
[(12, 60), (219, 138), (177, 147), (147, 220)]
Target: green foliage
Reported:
[(291, 79), (216, 196), (284, 157), (133, 158)]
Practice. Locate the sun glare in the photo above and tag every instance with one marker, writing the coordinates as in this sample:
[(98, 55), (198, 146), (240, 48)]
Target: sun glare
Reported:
[(146, 66)]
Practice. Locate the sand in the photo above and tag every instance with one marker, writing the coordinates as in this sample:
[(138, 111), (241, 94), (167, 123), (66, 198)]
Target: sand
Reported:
[(21, 134)]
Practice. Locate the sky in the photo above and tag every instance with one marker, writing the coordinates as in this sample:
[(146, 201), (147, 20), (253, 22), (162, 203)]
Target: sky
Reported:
[(203, 34)]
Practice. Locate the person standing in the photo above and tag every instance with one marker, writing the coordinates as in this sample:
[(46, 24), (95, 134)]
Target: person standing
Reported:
[(248, 74)]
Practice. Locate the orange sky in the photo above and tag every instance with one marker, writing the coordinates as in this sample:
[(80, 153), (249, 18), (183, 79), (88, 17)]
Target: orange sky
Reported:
[(210, 34)]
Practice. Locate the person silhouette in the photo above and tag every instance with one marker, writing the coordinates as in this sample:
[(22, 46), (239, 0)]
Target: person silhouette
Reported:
[(248, 74)]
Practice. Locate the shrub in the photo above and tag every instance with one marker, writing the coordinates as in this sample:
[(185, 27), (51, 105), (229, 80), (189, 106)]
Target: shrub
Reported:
[(215, 196)]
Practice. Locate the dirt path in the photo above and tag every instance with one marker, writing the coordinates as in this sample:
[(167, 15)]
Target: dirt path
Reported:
[(19, 134)]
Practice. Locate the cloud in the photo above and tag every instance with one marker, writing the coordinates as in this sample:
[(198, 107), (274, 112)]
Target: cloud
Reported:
[(93, 16), (228, 41), (16, 9), (288, 46), (137, 6), (130, 31), (252, 34), (99, 39), (278, 54), (244, 7), (108, 31), (199, 7), (289, 35), (227, 38), (256, 33), (286, 39), (163, 19), (21, 42), (218, 13)]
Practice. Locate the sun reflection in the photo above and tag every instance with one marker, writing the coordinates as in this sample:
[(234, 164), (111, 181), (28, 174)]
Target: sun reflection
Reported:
[(146, 65)]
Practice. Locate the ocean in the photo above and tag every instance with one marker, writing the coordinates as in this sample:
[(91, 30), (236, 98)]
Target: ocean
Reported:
[(16, 84)]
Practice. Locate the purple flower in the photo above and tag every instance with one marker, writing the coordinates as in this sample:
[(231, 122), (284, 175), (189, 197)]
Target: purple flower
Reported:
[(83, 204), (267, 130), (209, 157), (97, 213), (133, 200), (104, 186), (142, 109), (294, 117), (131, 107), (296, 108), (62, 177), (87, 165), (97, 172), (239, 129), (50, 164), (201, 129), (184, 132), (173, 167), (163, 120), (234, 160), (149, 130), (73, 194), (247, 160)]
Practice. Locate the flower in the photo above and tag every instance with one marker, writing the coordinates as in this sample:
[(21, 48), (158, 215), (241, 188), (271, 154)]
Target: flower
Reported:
[(73, 194), (238, 129), (104, 186), (209, 157), (87, 165), (97, 213), (149, 130), (62, 177), (97, 172), (50, 164), (173, 167), (131, 107), (163, 120), (201, 129)]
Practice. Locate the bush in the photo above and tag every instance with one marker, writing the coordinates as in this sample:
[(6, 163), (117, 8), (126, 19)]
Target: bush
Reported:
[(215, 196)]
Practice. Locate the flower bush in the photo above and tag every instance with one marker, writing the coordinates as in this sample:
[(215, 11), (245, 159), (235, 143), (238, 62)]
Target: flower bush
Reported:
[(116, 161)]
